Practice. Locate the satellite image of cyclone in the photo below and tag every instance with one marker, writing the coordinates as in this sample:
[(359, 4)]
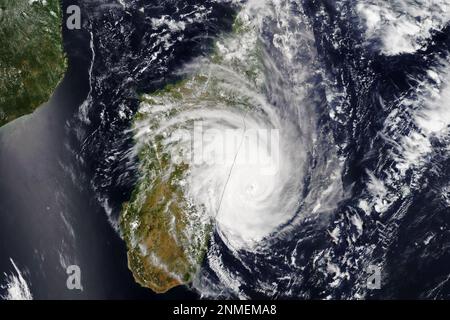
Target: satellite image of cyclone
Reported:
[(225, 149)]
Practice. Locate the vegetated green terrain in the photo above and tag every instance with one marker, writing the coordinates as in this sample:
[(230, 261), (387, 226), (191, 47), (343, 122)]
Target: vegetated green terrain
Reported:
[(166, 233), (32, 61)]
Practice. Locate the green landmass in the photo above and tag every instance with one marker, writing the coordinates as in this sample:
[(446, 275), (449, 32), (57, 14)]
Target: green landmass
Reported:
[(32, 61), (166, 234)]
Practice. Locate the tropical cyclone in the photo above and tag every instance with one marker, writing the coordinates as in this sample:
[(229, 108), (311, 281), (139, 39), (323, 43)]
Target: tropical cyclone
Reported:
[(32, 61), (180, 199)]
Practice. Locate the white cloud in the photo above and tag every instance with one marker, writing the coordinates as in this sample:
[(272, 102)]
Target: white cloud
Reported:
[(16, 286)]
